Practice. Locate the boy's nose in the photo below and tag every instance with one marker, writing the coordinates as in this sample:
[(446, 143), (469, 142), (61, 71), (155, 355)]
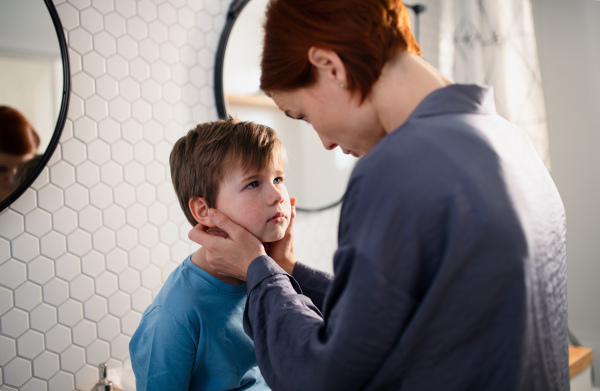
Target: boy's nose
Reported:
[(276, 195)]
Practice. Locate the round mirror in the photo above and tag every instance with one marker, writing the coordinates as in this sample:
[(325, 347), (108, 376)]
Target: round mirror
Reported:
[(315, 176), (34, 90)]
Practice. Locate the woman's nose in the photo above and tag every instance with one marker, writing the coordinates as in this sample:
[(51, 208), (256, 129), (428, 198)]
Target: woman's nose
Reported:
[(329, 145)]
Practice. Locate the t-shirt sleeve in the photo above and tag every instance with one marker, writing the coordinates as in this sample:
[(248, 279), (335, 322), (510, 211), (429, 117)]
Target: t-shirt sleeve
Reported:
[(162, 353), (313, 282)]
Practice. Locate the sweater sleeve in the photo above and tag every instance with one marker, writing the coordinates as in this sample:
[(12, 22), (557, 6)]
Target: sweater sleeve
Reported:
[(313, 282)]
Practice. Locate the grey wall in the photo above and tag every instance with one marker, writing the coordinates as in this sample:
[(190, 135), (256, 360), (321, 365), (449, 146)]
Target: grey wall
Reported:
[(568, 36)]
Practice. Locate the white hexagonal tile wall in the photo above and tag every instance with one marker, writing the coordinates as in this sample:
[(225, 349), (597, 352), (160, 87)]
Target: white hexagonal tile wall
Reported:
[(72, 358), (67, 267), (55, 292), (119, 304), (13, 225), (76, 195), (28, 296), (12, 273), (25, 247), (34, 384), (85, 376), (6, 300), (115, 24), (30, 344), (129, 322), (58, 338), (97, 352), (50, 198), (108, 328), (120, 347), (95, 308), (42, 318), (140, 74), (40, 270), (79, 242), (92, 263), (53, 244), (17, 372), (101, 196), (84, 333), (106, 284), (15, 322), (8, 350), (129, 280), (81, 288), (61, 381), (38, 222), (46, 365), (4, 250)]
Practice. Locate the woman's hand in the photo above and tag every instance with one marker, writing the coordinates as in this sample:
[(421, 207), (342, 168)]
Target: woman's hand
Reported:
[(231, 251), (282, 251)]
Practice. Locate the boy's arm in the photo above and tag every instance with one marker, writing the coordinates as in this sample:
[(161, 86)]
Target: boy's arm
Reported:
[(162, 353), (313, 282)]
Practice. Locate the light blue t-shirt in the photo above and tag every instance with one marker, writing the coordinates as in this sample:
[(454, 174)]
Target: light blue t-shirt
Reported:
[(191, 337)]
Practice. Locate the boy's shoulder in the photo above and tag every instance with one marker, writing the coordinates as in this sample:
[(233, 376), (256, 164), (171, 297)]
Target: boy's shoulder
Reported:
[(191, 292)]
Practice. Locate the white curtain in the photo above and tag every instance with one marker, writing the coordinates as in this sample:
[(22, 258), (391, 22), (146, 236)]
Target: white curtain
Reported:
[(493, 42)]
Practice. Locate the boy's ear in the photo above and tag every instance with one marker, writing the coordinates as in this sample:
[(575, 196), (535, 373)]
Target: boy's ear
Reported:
[(199, 209)]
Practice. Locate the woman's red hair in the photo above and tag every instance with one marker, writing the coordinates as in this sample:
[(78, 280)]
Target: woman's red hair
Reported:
[(17, 135), (364, 33)]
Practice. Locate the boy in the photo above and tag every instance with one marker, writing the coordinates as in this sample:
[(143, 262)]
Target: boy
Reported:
[(191, 337)]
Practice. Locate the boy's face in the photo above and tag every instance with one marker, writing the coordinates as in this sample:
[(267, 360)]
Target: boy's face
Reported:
[(256, 200)]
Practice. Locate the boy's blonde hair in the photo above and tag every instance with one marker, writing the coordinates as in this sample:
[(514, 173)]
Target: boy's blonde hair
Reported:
[(199, 160)]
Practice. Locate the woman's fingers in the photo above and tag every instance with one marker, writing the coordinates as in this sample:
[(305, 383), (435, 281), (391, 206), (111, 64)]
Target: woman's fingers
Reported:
[(229, 247)]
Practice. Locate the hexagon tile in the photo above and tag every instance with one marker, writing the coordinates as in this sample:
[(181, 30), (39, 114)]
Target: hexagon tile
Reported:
[(84, 251)]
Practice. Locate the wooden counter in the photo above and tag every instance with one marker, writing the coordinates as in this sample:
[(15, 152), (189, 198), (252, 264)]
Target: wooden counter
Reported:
[(579, 359)]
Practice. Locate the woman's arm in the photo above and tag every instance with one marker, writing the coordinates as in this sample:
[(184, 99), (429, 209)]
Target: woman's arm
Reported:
[(313, 282)]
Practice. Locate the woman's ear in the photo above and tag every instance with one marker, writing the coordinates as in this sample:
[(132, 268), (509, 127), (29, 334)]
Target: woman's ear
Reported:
[(328, 62), (199, 209)]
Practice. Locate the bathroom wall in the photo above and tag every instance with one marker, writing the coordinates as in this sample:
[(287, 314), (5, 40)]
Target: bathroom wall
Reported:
[(84, 251)]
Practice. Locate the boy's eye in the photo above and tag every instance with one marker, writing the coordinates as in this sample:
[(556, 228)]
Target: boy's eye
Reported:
[(278, 180), (252, 185)]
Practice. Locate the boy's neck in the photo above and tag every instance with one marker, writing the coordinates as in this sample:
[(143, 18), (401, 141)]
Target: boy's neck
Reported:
[(199, 259)]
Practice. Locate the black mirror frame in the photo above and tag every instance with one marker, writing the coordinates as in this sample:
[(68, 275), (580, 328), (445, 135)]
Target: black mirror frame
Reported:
[(62, 115), (235, 8)]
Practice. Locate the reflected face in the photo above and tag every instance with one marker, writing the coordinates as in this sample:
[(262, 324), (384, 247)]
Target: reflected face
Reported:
[(337, 115), (256, 200), (9, 164)]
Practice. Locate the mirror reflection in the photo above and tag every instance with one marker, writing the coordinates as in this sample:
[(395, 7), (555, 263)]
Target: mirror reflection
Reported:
[(31, 85), (315, 176)]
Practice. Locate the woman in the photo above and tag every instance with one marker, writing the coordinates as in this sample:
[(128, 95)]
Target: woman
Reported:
[(18, 143), (450, 271)]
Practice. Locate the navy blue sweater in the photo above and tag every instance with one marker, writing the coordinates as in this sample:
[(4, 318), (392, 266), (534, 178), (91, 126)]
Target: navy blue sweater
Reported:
[(450, 272)]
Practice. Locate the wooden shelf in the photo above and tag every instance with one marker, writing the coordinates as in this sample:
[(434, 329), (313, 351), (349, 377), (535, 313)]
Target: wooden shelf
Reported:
[(579, 359), (251, 100)]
